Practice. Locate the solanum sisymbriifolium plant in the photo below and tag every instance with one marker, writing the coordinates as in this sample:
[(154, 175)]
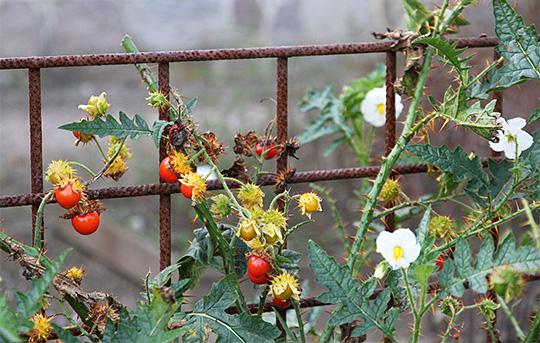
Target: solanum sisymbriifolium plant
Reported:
[(244, 227)]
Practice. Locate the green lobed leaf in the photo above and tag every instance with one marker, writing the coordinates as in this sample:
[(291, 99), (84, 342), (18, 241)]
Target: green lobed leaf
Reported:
[(157, 130), (64, 335), (111, 127), (317, 100), (448, 51), (487, 260), (502, 180), (290, 261), (457, 162), (148, 323), (518, 45), (209, 314), (353, 298)]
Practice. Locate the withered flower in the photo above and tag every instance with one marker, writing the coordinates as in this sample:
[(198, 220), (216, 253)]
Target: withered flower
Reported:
[(84, 208), (212, 146), (237, 170), (284, 177), (244, 143), (99, 313), (288, 148), (181, 135)]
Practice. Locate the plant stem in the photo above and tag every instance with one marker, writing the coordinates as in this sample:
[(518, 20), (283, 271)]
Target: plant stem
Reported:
[(513, 320), (83, 167), (262, 300), (299, 319), (389, 161), (532, 222), (39, 216), (101, 150)]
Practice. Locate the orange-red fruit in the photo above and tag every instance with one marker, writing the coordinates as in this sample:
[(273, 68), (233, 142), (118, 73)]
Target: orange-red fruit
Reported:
[(187, 191), (270, 149), (66, 197), (166, 174), (281, 303), (259, 280), (86, 224), (258, 267)]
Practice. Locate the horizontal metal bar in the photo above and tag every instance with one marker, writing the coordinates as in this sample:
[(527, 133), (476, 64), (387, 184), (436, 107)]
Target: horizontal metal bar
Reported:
[(167, 188), (215, 54)]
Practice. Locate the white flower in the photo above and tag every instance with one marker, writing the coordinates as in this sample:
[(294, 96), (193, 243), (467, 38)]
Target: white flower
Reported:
[(399, 248), (512, 138), (204, 170), (373, 106)]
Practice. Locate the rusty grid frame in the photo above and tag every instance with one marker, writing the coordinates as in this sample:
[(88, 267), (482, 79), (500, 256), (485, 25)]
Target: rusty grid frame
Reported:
[(163, 60)]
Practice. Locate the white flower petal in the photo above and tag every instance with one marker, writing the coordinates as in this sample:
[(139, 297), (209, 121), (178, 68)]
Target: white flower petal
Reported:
[(512, 137), (402, 238), (370, 106)]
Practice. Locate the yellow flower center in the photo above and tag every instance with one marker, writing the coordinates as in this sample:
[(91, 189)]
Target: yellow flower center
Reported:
[(398, 253), (381, 108)]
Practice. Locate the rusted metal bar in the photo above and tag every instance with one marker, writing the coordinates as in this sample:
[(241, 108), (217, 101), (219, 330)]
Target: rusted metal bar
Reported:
[(166, 188), (282, 112), (282, 133), (215, 54), (164, 199), (36, 151), (390, 125)]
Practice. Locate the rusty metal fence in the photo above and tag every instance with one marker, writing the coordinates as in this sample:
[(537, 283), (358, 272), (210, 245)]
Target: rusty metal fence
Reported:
[(164, 59)]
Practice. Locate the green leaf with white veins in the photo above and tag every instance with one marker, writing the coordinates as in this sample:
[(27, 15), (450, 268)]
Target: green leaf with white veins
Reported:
[(209, 315), (354, 298), (134, 128), (518, 45), (524, 259)]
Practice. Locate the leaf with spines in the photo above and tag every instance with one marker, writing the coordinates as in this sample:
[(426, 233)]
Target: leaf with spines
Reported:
[(352, 299), (524, 259), (111, 127), (209, 315), (10, 323), (518, 45), (448, 52), (148, 323), (457, 162)]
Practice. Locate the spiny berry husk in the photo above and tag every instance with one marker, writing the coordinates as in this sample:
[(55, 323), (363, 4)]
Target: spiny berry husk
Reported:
[(442, 227), (84, 208), (391, 191)]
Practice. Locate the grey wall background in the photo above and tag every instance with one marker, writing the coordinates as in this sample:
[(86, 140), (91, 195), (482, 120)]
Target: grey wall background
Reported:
[(126, 246)]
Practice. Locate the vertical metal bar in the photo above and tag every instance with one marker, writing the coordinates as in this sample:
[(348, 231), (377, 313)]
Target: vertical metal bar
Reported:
[(282, 110), (36, 151), (497, 95), (164, 199), (282, 134), (390, 126)]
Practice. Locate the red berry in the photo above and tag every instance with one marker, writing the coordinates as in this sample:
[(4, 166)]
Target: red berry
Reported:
[(259, 280), (281, 303), (166, 174), (270, 150), (187, 191), (86, 224), (67, 197), (258, 267)]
